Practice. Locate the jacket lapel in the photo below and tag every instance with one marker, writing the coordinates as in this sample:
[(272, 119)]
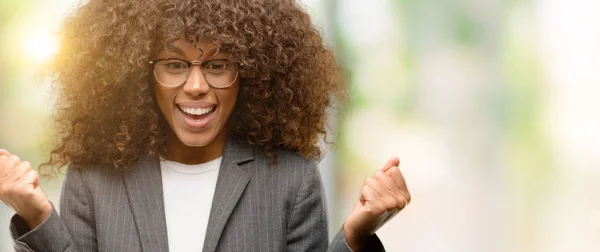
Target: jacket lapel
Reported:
[(231, 183), (143, 183)]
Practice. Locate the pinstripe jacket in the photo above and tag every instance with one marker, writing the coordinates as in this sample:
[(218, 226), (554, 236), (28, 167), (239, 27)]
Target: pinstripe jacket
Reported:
[(256, 207)]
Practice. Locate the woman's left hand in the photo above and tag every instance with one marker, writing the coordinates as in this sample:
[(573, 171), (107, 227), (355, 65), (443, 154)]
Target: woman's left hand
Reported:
[(382, 196)]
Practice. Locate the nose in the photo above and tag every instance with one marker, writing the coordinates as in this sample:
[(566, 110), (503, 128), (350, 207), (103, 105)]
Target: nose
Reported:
[(195, 84)]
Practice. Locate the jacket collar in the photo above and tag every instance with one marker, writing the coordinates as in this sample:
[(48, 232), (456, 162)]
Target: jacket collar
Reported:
[(143, 183)]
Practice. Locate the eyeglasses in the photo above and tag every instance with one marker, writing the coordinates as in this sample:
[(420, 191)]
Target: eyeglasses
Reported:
[(172, 72)]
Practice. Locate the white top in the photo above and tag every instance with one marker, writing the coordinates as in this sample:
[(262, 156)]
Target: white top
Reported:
[(188, 193)]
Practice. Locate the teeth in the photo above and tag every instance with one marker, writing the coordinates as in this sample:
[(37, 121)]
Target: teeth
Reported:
[(197, 111)]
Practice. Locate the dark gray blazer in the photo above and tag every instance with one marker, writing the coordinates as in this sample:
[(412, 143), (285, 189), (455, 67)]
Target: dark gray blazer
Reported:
[(256, 207)]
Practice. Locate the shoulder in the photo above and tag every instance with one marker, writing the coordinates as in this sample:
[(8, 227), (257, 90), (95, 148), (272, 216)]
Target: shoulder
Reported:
[(287, 162), (90, 175), (290, 170)]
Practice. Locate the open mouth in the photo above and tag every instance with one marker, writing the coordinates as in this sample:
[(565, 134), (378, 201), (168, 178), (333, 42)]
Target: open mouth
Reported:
[(197, 114)]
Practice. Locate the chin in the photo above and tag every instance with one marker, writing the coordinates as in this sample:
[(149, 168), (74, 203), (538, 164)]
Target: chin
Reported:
[(195, 139)]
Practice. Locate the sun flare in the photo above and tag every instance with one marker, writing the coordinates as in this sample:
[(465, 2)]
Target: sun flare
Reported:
[(39, 46)]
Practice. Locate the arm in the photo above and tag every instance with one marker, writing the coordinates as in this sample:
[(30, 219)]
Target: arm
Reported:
[(51, 235), (72, 231), (307, 227)]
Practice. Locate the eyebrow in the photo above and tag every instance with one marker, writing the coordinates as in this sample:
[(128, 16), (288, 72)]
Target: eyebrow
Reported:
[(213, 52), (175, 49)]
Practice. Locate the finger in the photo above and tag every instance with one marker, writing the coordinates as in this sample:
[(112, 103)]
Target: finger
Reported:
[(368, 194), (398, 178), (21, 169), (29, 178), (362, 198), (395, 174), (372, 205), (362, 194), (387, 181), (3, 159), (390, 200), (6, 168), (375, 184), (393, 161), (36, 182), (3, 170), (407, 198), (399, 195), (4, 152)]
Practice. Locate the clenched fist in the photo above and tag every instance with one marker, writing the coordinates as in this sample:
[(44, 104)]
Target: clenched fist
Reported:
[(19, 190), (382, 196)]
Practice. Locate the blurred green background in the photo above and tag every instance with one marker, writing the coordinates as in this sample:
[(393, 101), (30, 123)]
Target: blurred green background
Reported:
[(492, 106)]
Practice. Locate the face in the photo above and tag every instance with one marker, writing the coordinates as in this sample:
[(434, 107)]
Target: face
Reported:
[(199, 114)]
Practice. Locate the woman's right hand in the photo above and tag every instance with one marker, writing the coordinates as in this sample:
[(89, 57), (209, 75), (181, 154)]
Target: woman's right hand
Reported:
[(20, 190)]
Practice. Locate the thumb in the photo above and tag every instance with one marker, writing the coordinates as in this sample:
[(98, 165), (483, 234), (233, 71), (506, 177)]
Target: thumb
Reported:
[(393, 161)]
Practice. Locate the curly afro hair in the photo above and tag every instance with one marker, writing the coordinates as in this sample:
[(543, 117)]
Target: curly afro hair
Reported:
[(105, 109)]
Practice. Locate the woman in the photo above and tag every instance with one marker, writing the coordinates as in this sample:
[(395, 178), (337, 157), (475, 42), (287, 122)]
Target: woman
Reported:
[(192, 125)]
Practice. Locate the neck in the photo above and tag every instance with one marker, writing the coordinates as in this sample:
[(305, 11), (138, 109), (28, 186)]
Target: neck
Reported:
[(181, 153)]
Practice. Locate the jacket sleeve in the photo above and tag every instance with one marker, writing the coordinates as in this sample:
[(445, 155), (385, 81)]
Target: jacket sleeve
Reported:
[(307, 228), (72, 231), (339, 244)]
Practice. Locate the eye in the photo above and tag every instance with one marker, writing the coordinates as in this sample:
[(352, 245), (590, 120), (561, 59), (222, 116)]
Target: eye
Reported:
[(216, 66), (176, 65)]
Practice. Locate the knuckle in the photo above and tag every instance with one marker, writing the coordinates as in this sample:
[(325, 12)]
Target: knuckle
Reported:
[(399, 199), (390, 200), (391, 203), (33, 174), (398, 203), (29, 193), (401, 203), (408, 197), (24, 166), (371, 180), (364, 188), (27, 165)]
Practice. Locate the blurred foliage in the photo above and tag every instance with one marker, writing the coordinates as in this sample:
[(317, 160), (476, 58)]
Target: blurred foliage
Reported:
[(496, 145)]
